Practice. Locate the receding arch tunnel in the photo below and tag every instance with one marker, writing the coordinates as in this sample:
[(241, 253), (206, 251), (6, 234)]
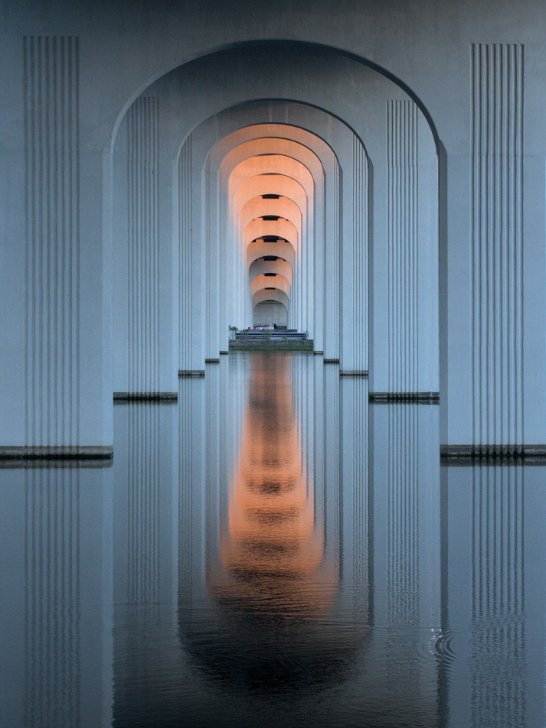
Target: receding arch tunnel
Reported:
[(153, 200), (174, 170), (262, 177)]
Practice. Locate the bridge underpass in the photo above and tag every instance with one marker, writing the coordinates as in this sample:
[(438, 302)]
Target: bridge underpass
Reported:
[(405, 188)]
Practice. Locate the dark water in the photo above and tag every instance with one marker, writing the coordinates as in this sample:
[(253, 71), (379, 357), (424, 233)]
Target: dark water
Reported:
[(273, 551)]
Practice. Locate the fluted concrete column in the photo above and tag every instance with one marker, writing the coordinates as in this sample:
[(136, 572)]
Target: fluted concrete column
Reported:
[(143, 245), (494, 314), (54, 262), (192, 277), (406, 270), (53, 242), (497, 243), (354, 291)]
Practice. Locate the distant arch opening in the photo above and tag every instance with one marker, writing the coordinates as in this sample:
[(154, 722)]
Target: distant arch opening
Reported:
[(270, 312)]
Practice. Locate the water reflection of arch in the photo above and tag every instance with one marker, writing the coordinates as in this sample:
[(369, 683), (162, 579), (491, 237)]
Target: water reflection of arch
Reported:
[(266, 618)]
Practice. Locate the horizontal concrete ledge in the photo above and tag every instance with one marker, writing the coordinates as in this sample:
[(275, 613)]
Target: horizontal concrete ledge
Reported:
[(353, 373), (330, 361), (501, 454), (54, 463), (289, 348), (145, 396), (191, 372), (414, 397), (212, 361), (88, 454)]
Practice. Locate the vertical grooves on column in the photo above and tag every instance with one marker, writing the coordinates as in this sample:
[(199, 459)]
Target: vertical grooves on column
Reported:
[(499, 673), (332, 264), (52, 593), (187, 477), (402, 245), (186, 253), (211, 271), (403, 569), (143, 239), (497, 255), (51, 119), (359, 315), (403, 521), (143, 504)]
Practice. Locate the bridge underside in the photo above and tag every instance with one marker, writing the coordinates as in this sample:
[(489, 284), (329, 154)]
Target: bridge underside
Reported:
[(388, 200)]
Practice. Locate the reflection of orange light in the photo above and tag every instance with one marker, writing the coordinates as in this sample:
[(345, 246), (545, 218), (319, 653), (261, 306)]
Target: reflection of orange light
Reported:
[(272, 542)]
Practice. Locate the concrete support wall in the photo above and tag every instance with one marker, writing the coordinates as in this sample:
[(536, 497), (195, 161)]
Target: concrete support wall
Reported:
[(412, 258)]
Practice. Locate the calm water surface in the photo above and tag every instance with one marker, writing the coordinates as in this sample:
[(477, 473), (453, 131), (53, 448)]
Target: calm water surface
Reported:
[(273, 551)]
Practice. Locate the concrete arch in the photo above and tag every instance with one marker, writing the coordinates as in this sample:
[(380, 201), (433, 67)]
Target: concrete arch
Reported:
[(279, 266), (261, 282), (282, 249), (270, 164), (271, 295), (321, 159), (307, 304), (283, 207), (260, 228), (380, 308), (271, 183), (270, 311), (299, 161), (238, 170), (315, 105), (398, 74), (265, 146)]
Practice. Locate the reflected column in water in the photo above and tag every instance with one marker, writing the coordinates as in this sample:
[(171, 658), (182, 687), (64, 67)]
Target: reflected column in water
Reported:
[(56, 552), (357, 541), (407, 565), (192, 486), (495, 590), (145, 562)]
